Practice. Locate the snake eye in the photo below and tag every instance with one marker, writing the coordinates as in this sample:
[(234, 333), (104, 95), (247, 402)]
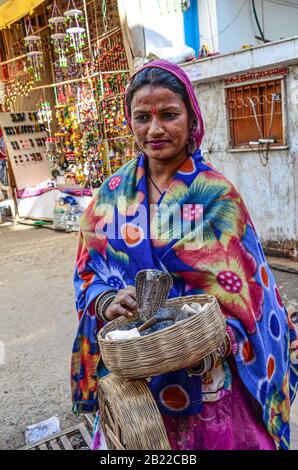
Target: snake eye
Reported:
[(294, 317)]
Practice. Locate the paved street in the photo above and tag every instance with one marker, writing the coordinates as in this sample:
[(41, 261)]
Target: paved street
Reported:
[(38, 324)]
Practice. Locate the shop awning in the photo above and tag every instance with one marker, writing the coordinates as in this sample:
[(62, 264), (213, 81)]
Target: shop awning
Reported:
[(13, 10)]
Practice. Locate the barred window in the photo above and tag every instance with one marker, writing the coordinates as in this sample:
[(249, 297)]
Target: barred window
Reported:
[(255, 111)]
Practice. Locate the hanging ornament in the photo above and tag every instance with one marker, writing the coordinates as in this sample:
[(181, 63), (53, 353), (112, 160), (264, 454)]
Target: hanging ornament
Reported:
[(56, 23), (169, 7), (62, 100), (185, 5), (86, 104), (20, 86), (34, 52), (104, 15), (2, 92), (59, 47), (44, 112), (75, 32)]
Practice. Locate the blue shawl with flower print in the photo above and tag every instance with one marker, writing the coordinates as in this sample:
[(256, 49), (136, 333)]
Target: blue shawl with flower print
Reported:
[(117, 239)]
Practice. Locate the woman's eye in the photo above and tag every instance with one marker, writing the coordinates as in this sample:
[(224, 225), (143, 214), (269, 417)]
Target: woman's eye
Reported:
[(142, 118), (170, 115)]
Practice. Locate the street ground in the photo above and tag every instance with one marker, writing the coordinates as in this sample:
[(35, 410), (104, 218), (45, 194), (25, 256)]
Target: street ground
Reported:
[(38, 324)]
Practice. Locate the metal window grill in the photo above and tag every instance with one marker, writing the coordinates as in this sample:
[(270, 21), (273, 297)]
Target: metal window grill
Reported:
[(255, 111)]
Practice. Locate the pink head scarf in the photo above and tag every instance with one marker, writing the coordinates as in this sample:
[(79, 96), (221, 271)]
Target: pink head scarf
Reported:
[(198, 132)]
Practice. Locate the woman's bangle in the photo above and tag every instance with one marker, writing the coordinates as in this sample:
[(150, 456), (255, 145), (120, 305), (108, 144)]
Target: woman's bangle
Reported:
[(206, 365), (228, 346), (102, 302)]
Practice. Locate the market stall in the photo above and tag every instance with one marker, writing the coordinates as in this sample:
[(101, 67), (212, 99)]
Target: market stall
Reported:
[(64, 68)]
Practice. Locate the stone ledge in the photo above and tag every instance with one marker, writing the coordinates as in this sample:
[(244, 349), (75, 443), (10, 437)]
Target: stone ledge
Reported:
[(273, 54)]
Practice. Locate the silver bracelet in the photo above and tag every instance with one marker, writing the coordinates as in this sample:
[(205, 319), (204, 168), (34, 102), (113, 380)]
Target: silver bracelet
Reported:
[(206, 365), (102, 302)]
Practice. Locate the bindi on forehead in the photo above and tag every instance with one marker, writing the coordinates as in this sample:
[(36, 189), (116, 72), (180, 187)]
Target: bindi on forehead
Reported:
[(155, 95), (156, 100)]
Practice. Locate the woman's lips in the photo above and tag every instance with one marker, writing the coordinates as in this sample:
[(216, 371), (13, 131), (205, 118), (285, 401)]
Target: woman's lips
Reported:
[(157, 144)]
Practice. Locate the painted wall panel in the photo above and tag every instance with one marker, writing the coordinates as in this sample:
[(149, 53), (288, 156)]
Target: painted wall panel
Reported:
[(271, 192), (236, 25)]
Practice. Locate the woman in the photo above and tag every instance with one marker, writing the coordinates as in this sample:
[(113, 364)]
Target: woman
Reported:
[(243, 401)]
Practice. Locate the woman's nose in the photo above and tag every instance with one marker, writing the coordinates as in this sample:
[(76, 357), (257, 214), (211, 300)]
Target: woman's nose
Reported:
[(155, 128)]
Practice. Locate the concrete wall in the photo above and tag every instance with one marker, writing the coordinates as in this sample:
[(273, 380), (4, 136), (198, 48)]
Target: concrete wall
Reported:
[(236, 24), (271, 192), (161, 29), (208, 24)]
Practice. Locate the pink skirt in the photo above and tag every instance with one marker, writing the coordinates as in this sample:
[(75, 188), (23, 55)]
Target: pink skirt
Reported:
[(232, 423)]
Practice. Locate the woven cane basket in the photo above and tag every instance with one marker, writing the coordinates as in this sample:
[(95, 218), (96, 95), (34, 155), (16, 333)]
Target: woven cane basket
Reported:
[(130, 418), (181, 345)]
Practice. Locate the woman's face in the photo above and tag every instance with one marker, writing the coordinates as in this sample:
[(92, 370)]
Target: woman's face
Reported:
[(160, 123)]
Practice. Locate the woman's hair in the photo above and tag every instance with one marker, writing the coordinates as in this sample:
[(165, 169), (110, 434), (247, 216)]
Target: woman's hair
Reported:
[(157, 77)]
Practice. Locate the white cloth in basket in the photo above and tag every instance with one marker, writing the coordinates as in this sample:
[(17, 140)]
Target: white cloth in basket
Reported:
[(193, 308), (118, 334)]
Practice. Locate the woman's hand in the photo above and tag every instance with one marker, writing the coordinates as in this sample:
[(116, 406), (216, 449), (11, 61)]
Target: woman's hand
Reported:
[(125, 304)]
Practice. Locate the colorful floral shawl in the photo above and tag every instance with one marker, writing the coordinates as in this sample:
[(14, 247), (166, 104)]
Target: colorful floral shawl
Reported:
[(230, 265), (117, 240)]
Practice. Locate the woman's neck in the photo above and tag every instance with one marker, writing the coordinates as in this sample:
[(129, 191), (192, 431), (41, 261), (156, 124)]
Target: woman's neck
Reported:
[(164, 171)]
